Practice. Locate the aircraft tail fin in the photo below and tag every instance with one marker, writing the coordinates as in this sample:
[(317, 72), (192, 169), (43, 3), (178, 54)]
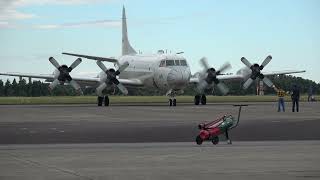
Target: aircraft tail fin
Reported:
[(126, 47)]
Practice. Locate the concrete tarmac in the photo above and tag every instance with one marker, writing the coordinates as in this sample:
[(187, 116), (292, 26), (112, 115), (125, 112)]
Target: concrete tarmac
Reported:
[(265, 160), (38, 124), (156, 142)]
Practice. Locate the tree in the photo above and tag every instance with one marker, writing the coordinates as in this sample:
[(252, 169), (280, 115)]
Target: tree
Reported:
[(22, 88), (14, 86), (8, 89), (36, 91), (1, 88)]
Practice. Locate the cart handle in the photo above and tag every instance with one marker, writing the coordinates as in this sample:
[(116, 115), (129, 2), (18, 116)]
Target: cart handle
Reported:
[(240, 107)]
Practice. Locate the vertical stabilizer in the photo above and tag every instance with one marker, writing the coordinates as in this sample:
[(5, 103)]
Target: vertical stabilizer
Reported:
[(126, 47)]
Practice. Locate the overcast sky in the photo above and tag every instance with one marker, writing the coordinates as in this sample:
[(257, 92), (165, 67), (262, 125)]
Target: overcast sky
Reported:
[(33, 30)]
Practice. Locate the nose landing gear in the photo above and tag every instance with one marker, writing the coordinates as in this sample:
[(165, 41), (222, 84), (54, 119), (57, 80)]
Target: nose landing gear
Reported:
[(172, 102), (172, 98)]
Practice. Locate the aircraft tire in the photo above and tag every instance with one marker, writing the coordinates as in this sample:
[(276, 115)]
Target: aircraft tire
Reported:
[(196, 100), (106, 101), (174, 102), (100, 100), (203, 99), (170, 102)]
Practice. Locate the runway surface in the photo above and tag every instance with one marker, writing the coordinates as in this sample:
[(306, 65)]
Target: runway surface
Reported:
[(266, 160), (156, 142), (36, 124)]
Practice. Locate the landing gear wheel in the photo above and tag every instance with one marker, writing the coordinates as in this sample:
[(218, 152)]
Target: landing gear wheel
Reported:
[(106, 101), (215, 140), (196, 100), (174, 102), (170, 102), (203, 99), (199, 140), (100, 100)]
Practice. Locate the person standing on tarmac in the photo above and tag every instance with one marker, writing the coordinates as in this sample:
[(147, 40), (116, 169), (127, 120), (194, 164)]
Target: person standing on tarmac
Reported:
[(280, 93), (295, 96), (310, 93)]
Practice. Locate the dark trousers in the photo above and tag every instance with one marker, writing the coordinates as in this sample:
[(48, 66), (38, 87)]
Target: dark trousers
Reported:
[(281, 104), (227, 134), (309, 97), (295, 103)]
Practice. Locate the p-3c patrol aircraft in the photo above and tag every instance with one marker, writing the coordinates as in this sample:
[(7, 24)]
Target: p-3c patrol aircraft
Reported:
[(166, 72)]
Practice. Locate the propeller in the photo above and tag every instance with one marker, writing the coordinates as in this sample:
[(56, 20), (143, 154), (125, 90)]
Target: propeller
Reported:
[(209, 76), (256, 72), (111, 78), (64, 74)]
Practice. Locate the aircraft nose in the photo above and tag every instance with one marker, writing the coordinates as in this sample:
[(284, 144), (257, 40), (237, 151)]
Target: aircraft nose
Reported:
[(178, 77)]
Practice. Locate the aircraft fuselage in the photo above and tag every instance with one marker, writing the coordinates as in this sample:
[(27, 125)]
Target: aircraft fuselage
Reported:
[(159, 71)]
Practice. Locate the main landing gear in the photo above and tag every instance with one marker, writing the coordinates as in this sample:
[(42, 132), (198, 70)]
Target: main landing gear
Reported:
[(103, 100), (200, 99)]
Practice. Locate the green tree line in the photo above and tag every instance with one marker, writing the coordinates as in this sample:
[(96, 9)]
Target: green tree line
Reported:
[(39, 88)]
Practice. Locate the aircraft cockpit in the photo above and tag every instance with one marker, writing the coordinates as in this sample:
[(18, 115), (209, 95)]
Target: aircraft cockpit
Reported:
[(166, 63)]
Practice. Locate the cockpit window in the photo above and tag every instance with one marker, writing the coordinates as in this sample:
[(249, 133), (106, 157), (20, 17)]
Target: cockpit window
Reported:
[(165, 63), (183, 63), (162, 63), (169, 62)]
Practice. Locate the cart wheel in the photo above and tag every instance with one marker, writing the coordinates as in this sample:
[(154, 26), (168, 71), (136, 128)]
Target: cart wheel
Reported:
[(215, 140), (199, 140)]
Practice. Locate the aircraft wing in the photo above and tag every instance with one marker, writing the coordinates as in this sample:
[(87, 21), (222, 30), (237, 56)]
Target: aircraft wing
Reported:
[(221, 77), (282, 72), (83, 81), (40, 76), (113, 60)]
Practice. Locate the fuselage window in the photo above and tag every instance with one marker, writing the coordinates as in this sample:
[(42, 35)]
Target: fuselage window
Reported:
[(169, 62), (162, 64), (177, 63), (183, 63)]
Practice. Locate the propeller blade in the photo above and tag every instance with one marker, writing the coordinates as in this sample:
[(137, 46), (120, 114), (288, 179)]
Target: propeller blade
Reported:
[(247, 83), (204, 63), (75, 85), (201, 86), (223, 88), (54, 62), (123, 66), (267, 81), (100, 88), (224, 67), (102, 66), (246, 62), (54, 84), (122, 89), (75, 63), (266, 61)]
